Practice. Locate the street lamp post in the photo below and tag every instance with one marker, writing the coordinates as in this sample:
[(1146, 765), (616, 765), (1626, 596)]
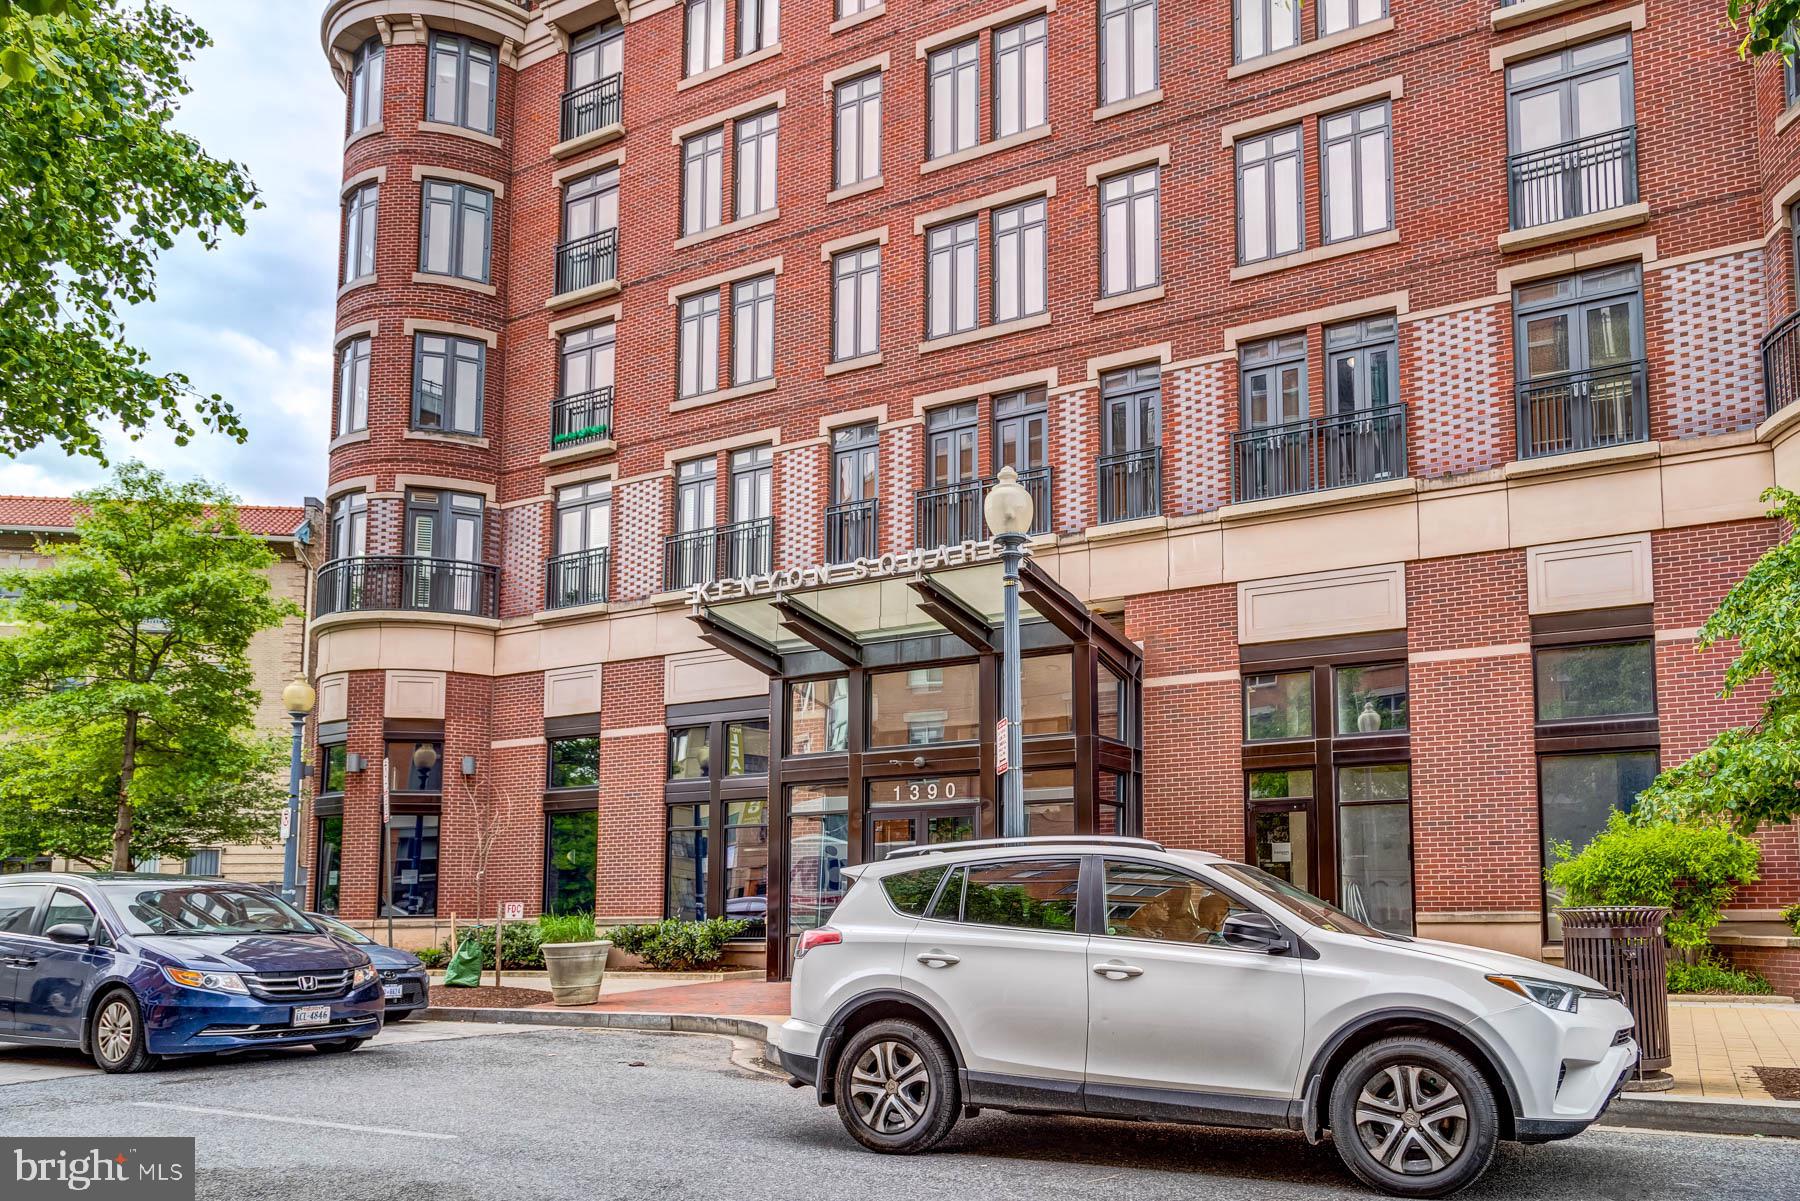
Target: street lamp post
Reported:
[(1008, 509), (298, 699)]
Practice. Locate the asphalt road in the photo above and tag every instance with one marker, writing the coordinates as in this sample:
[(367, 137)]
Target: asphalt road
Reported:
[(487, 1114)]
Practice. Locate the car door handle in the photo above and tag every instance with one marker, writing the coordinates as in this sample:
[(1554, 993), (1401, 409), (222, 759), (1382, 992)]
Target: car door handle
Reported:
[(1117, 971), (939, 959)]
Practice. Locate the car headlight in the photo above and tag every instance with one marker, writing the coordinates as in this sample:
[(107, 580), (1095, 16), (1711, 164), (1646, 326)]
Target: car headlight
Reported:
[(211, 981), (1564, 998), (363, 975)]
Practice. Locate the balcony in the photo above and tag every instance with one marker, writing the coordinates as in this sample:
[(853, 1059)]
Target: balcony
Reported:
[(1576, 179), (1130, 485), (584, 417), (1583, 410), (1781, 365), (726, 552), (587, 262), (406, 584), (852, 531), (593, 107), (951, 513), (577, 578), (1319, 453)]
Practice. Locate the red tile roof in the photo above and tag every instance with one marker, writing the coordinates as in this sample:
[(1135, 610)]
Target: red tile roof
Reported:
[(51, 513)]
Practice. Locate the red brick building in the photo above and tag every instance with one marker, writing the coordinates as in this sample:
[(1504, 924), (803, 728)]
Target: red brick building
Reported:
[(1395, 387)]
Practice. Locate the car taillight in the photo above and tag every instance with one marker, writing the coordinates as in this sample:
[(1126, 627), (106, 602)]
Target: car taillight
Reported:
[(824, 936)]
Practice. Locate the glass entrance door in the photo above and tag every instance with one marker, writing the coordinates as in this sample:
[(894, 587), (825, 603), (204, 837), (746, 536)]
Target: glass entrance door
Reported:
[(1282, 843), (897, 829)]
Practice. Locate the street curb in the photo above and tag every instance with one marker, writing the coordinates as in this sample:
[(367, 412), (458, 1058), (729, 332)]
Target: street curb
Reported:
[(1705, 1115), (680, 1023)]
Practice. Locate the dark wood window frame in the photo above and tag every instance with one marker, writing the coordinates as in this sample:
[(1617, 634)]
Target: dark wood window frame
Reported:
[(717, 791)]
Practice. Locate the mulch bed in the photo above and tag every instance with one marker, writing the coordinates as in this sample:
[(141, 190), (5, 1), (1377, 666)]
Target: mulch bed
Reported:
[(1783, 1083), (488, 997)]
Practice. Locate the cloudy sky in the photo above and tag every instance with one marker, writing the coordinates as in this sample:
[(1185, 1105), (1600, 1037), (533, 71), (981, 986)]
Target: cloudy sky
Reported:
[(253, 319)]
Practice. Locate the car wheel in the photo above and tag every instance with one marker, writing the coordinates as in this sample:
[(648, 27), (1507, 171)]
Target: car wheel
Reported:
[(341, 1045), (1413, 1118), (896, 1088), (116, 1034)]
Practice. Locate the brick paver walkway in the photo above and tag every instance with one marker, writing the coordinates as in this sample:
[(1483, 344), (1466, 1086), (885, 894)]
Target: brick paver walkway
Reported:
[(736, 998), (1715, 1046)]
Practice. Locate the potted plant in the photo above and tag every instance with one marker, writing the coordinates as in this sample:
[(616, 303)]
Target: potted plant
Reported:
[(575, 957)]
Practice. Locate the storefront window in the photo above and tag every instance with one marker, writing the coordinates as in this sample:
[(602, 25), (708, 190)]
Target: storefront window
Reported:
[(1110, 799), (412, 864), (1375, 844), (1046, 697), (331, 780), (1109, 705), (818, 850), (1578, 792), (415, 766), (329, 863), (746, 748), (686, 873), (1371, 700), (1049, 803), (569, 850), (1609, 680), (688, 753), (747, 862), (575, 762), (819, 716), (1278, 706), (922, 706)]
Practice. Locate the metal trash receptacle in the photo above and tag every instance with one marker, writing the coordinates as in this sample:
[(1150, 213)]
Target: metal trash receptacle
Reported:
[(1624, 947)]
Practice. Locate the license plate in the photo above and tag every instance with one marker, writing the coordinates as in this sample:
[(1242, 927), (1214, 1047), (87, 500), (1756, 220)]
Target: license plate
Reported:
[(312, 1015), (391, 991)]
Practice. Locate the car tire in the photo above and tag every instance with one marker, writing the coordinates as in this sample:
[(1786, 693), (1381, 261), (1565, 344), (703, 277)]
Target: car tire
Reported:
[(116, 1036), (338, 1046), (1413, 1117), (897, 1089)]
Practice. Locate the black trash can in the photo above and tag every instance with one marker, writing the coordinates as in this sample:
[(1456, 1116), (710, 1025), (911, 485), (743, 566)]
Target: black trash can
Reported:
[(1623, 947)]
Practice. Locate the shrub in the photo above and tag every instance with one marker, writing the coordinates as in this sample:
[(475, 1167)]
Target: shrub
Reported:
[(1791, 915), (1711, 976), (678, 946), (524, 945), (433, 957), (1692, 868), (567, 927)]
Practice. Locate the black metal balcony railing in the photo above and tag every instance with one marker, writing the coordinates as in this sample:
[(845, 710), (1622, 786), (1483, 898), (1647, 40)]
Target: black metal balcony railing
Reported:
[(1036, 480), (584, 417), (1587, 175), (947, 514), (1130, 485), (585, 262), (592, 106), (1781, 365), (851, 531), (1320, 452), (743, 548), (373, 583), (576, 578), (1582, 410)]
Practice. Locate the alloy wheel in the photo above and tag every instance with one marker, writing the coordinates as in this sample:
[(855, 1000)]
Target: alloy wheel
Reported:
[(1412, 1119), (115, 1031), (890, 1087)]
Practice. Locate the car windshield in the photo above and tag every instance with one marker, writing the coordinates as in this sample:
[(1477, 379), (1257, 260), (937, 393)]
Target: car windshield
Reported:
[(185, 909), (337, 929), (1323, 914)]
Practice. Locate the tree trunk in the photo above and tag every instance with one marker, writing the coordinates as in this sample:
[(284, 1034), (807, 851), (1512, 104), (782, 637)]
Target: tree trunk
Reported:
[(121, 856)]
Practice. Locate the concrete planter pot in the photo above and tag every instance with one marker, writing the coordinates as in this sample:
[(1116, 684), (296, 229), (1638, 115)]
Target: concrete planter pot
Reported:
[(576, 970)]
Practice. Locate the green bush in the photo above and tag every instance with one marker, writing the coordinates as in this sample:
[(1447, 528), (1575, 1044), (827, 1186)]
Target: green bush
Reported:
[(1791, 915), (676, 946), (1692, 868), (524, 945), (1711, 976), (433, 957), (567, 927)]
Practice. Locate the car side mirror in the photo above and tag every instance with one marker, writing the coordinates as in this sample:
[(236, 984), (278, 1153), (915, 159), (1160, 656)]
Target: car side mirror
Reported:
[(69, 932), (1249, 930)]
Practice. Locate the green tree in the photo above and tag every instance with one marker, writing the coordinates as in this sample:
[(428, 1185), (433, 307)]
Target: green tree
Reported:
[(97, 183), (1750, 774), (127, 702), (1768, 25)]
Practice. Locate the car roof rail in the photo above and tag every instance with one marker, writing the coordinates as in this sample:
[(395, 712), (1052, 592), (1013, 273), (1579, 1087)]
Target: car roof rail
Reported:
[(1045, 840)]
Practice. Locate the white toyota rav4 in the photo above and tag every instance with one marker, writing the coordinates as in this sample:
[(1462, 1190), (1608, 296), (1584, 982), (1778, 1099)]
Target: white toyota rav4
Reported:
[(1116, 978)]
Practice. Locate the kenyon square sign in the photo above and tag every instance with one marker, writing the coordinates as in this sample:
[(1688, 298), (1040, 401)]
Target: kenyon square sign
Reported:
[(911, 562)]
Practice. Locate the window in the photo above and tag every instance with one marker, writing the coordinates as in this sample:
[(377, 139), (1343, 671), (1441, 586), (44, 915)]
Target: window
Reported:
[(415, 766), (696, 494), (746, 878), (952, 84), (349, 526), (1021, 77), (909, 708), (1355, 173), (819, 716), (328, 863), (702, 181), (1046, 693), (448, 380), (68, 909), (1020, 261), (755, 169), (1130, 232), (689, 758), (700, 344), (746, 748), (1375, 872), (1025, 894), (590, 206), (1273, 381), (1128, 65), (950, 252), (1163, 905), (412, 858), (705, 35), (333, 759), (359, 232), (759, 24), (718, 823), (1270, 204), (687, 856), (753, 330), (1613, 679), (1371, 699), (1790, 76), (456, 231), (1578, 793), (747, 551), (366, 84), (1335, 16), (18, 905), (575, 762), (1110, 706), (1021, 434), (583, 517), (855, 303), (461, 88), (1361, 365), (585, 365), (353, 386), (202, 863), (1278, 706), (1571, 123), (911, 892), (858, 136), (1579, 345), (571, 848), (1265, 26)]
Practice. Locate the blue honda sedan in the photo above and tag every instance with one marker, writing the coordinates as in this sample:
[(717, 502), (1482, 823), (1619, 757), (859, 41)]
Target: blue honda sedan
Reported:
[(131, 968)]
